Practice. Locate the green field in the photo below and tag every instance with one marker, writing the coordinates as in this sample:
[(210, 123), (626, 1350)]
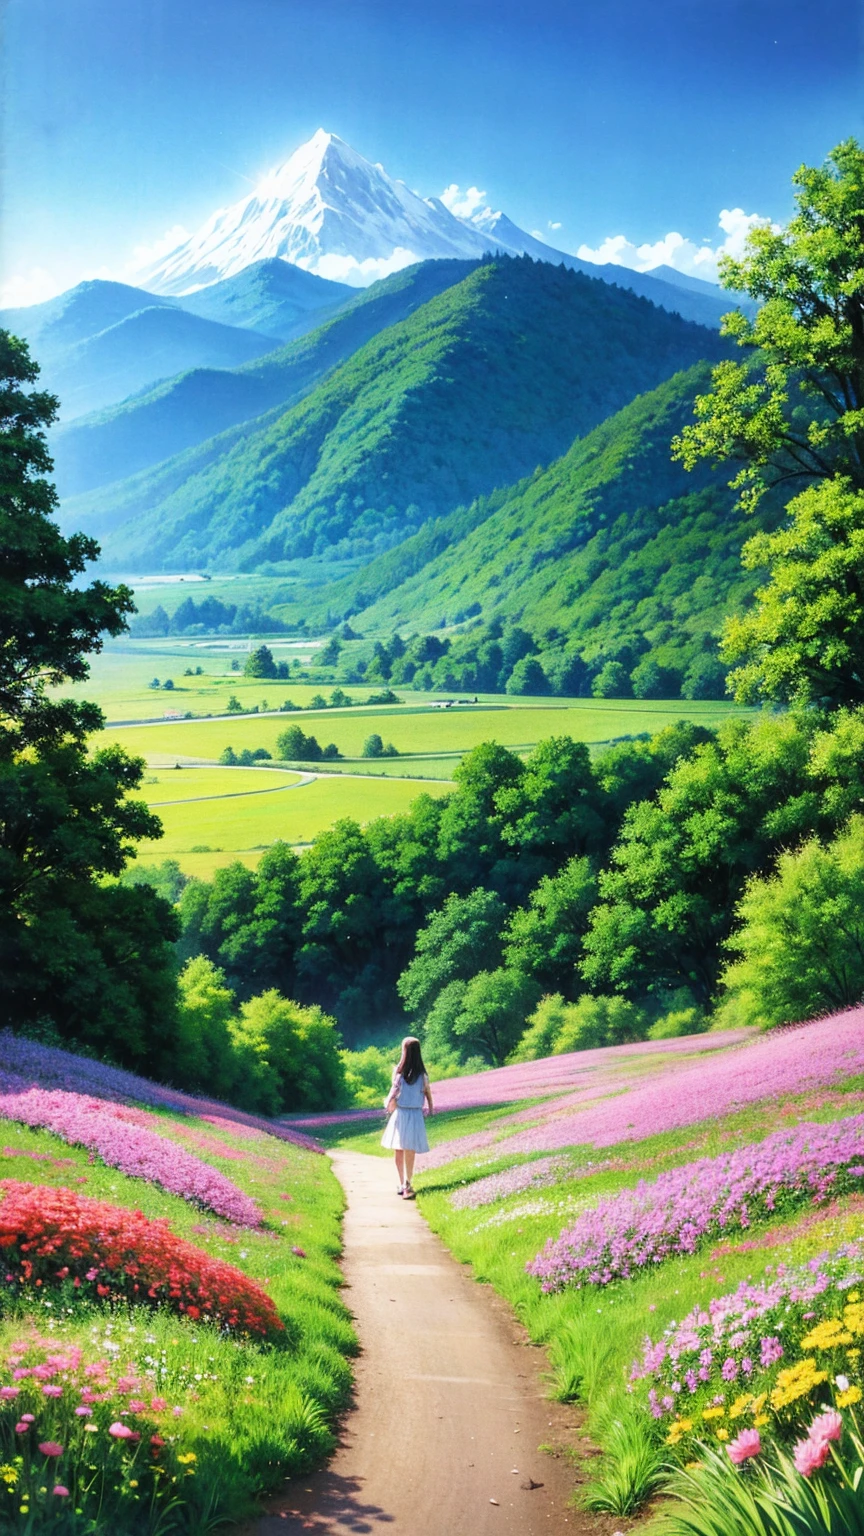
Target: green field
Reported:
[(203, 834), (421, 727)]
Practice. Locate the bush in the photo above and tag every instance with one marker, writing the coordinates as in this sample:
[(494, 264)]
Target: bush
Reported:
[(801, 939), (544, 1027), (296, 746), (612, 682), (595, 1021), (681, 1021), (368, 1075), (373, 746), (288, 1057), (261, 663)]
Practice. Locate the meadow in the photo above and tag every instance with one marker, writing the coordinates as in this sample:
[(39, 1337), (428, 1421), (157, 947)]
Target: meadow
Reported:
[(608, 1196), (167, 1405)]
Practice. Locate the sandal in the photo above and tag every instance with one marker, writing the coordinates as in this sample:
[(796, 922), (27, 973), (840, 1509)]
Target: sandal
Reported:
[(408, 1193), (401, 1189)]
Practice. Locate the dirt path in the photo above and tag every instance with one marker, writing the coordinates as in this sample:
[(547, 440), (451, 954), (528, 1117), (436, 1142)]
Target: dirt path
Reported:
[(450, 1407)]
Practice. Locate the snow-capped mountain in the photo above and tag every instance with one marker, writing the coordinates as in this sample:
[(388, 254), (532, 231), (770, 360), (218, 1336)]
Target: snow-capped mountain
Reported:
[(328, 210), (332, 213)]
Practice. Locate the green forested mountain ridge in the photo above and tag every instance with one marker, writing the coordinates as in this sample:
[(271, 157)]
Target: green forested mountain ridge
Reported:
[(485, 381), (614, 554), (180, 412)]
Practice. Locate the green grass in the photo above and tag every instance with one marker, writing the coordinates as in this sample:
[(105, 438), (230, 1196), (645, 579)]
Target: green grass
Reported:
[(164, 786), (423, 728), (439, 1127), (246, 1436), (242, 826), (593, 1335)]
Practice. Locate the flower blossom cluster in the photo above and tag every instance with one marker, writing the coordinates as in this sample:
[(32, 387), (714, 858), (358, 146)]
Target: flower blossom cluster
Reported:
[(610, 1103), (49, 1235), (621, 1235), (135, 1149), (47, 1066), (512, 1181)]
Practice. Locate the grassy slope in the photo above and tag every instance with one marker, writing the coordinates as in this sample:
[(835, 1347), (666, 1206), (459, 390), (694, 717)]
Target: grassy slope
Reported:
[(245, 1440), (186, 410), (592, 1336), (409, 427), (612, 539)]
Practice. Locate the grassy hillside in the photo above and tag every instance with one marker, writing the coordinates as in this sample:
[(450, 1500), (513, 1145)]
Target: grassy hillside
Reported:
[(186, 410), (411, 425), (614, 547)]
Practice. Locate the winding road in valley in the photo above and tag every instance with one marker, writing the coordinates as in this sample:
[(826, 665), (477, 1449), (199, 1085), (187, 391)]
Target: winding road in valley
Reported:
[(450, 1409)]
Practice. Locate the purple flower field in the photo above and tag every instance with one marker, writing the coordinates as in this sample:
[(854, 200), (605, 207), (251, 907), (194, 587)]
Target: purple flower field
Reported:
[(611, 1104), (134, 1149), (640, 1227), (45, 1066)]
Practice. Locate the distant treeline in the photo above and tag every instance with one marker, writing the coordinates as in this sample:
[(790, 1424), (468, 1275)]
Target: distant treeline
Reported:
[(210, 616)]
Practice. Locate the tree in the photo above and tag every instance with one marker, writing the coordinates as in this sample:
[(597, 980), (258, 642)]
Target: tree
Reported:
[(90, 959), (544, 939), (792, 414), (592, 1022), (801, 937), (682, 860), (612, 682), (373, 746), (203, 1060), (492, 1014), (260, 663), (289, 1057), (463, 937), (527, 677), (294, 745)]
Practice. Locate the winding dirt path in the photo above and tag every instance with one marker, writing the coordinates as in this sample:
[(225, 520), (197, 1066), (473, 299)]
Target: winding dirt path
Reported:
[(450, 1409)]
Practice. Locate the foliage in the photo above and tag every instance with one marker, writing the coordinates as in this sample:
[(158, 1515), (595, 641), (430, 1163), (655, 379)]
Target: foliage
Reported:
[(457, 942), (544, 938), (50, 1235), (713, 1499), (368, 1076), (800, 936), (483, 1017), (793, 413), (91, 961), (289, 1056)]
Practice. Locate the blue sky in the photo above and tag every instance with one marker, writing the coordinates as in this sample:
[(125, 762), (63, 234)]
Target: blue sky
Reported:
[(618, 118)]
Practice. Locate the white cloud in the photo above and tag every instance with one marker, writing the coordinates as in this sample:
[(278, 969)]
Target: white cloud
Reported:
[(346, 269), (463, 204), (555, 225), (145, 255), (31, 287), (675, 250)]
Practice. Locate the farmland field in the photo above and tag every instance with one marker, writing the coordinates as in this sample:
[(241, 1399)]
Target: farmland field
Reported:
[(256, 807)]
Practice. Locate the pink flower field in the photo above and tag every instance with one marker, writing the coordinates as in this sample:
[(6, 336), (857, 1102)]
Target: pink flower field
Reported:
[(626, 1097)]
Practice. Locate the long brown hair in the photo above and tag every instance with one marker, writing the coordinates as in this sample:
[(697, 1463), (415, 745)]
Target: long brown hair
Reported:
[(411, 1061)]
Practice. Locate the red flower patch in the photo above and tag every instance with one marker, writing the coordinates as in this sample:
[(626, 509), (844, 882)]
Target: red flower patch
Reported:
[(46, 1231)]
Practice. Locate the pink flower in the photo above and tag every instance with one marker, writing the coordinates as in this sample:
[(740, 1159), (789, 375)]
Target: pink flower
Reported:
[(177, 1412), (60, 1491), (809, 1455), (136, 1405), (91, 1274), (300, 1252), (50, 1448), (827, 1426), (51, 1391), (7, 1393), (120, 1431), (28, 1418), (82, 1413), (21, 1428), (745, 1445), (158, 1404)]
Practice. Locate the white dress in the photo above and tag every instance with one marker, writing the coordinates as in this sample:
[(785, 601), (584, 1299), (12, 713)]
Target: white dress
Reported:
[(406, 1128)]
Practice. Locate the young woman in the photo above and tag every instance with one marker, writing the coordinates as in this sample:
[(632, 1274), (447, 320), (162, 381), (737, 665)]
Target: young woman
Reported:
[(406, 1130)]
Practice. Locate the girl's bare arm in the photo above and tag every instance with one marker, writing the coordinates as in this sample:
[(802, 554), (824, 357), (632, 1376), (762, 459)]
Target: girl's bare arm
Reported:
[(428, 1092)]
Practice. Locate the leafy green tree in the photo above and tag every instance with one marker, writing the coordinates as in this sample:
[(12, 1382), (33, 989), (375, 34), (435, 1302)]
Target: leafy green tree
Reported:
[(544, 939), (492, 1014), (166, 879), (527, 677), (343, 954), (801, 936), (368, 1075), (553, 808), (289, 1057), (792, 413), (681, 863), (92, 960), (373, 746), (592, 1022), (203, 1059), (612, 682), (544, 1026), (463, 937), (261, 663), (471, 847), (293, 745)]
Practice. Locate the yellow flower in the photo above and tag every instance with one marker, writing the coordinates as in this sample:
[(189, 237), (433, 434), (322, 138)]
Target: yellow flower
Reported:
[(854, 1296), (846, 1399), (853, 1316), (853, 1354), (740, 1406), (722, 1434), (796, 1381), (714, 1413), (761, 1419), (9, 1476), (679, 1428), (757, 1402), (186, 1458), (827, 1334)]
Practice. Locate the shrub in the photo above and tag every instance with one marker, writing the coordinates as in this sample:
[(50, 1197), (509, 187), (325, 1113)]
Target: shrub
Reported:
[(296, 746), (373, 746), (612, 682), (49, 1235), (288, 1057), (595, 1021), (368, 1075), (801, 939), (680, 1021), (544, 1026)]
